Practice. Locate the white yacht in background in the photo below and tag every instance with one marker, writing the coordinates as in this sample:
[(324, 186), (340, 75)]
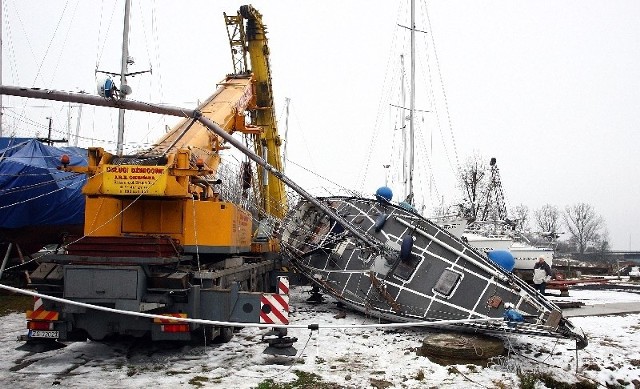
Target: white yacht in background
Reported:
[(524, 254), (490, 229), (455, 224), (487, 242)]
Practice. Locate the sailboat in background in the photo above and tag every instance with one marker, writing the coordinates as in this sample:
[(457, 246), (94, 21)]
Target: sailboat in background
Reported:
[(454, 222), (39, 204), (387, 261), (403, 158)]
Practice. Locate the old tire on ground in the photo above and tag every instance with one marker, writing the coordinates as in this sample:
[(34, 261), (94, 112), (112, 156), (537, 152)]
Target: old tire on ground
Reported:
[(456, 348)]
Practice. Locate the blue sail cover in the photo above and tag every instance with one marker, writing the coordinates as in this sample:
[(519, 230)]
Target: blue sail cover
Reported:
[(33, 192)]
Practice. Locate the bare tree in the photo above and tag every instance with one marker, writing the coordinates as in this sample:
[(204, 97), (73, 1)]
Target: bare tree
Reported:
[(547, 219), (473, 182), (584, 225), (601, 244), (521, 215)]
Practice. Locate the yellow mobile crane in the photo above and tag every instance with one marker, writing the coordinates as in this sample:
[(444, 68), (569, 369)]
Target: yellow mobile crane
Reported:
[(161, 236)]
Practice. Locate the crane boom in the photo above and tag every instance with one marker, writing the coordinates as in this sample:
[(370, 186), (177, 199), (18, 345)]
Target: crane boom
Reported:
[(251, 40), (227, 107)]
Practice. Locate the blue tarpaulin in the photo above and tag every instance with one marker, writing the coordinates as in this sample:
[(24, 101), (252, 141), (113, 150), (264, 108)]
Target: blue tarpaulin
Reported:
[(33, 192)]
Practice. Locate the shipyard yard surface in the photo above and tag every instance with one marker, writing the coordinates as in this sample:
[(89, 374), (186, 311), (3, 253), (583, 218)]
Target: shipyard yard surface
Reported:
[(350, 358)]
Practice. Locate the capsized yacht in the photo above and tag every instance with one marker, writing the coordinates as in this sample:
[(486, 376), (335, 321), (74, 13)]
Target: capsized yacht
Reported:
[(389, 262)]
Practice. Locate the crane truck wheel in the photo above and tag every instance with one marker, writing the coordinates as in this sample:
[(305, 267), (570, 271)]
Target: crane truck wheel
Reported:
[(77, 336), (225, 335)]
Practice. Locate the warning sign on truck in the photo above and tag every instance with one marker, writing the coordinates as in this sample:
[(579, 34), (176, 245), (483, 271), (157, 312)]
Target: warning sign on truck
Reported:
[(134, 180)]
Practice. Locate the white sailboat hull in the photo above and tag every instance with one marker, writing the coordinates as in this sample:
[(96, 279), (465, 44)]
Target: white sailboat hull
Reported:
[(488, 243), (525, 255)]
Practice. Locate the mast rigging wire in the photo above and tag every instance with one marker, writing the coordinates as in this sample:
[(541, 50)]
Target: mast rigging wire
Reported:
[(99, 50), (376, 127), (444, 93)]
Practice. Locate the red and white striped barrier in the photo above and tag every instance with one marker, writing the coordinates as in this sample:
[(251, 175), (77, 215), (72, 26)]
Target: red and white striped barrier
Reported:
[(37, 304), (274, 307), (39, 313), (283, 285)]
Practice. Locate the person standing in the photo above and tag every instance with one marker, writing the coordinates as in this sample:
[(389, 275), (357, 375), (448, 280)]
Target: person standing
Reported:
[(541, 274)]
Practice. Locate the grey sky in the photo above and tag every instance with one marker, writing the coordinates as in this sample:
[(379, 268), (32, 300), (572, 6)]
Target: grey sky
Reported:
[(549, 88)]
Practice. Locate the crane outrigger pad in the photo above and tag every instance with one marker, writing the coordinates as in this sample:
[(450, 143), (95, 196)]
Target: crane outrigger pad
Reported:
[(402, 267)]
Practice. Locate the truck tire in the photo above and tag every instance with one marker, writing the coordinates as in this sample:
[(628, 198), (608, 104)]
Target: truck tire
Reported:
[(226, 334)]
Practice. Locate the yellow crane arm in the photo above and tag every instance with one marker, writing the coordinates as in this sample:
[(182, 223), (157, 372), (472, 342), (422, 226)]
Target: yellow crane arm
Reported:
[(252, 40), (226, 107)]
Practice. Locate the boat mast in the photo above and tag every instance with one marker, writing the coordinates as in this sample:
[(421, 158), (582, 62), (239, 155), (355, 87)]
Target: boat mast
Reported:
[(124, 68), (403, 126), (412, 102), (75, 141)]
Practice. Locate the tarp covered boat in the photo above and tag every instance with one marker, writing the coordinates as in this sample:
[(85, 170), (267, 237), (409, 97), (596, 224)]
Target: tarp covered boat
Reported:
[(402, 267), (39, 203)]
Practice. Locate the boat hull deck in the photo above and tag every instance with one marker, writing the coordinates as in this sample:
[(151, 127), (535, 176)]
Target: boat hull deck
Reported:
[(416, 271)]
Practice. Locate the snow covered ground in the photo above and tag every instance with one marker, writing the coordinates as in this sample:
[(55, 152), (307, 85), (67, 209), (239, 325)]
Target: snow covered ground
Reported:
[(352, 358)]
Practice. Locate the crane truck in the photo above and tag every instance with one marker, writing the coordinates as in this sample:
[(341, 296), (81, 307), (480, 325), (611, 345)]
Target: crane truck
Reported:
[(167, 233)]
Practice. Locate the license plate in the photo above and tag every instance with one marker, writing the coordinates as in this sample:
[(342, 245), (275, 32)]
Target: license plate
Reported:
[(44, 334)]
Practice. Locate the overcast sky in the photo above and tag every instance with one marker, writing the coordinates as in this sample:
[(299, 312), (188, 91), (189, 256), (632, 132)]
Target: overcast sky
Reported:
[(551, 89)]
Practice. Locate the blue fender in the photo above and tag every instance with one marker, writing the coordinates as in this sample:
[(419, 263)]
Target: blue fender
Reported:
[(502, 258), (380, 220), (384, 194), (406, 247), (512, 317)]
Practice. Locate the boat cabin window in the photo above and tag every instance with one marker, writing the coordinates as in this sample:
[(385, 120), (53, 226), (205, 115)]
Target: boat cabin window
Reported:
[(405, 268), (447, 282)]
